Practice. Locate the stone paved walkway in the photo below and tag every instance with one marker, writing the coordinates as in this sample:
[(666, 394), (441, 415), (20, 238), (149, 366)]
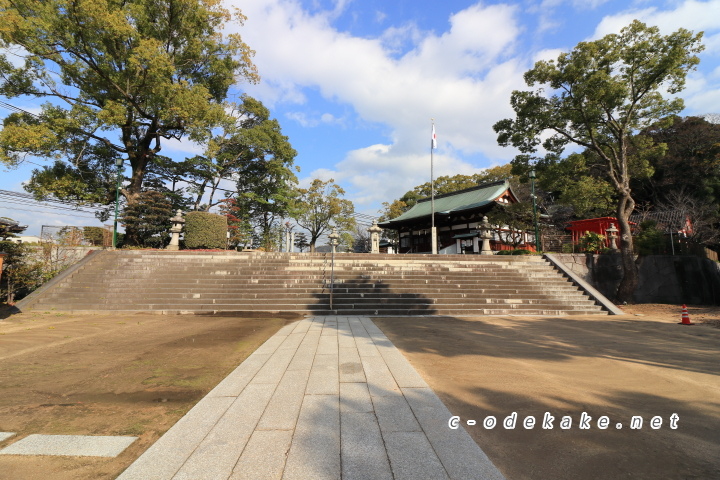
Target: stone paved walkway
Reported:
[(324, 398)]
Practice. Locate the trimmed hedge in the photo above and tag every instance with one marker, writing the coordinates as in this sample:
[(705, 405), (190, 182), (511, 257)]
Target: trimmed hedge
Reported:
[(518, 251), (205, 230)]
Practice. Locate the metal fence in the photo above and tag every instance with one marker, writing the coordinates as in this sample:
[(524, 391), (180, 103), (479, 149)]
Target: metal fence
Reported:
[(74, 236), (673, 245)]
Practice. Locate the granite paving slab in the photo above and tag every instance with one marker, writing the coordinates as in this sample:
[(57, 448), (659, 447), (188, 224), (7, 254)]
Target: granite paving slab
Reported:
[(327, 397), (69, 445)]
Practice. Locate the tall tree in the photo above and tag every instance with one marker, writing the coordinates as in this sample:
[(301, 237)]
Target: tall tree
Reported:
[(267, 191), (239, 228), (575, 182), (301, 241), (249, 138), (118, 77), (321, 206), (599, 94)]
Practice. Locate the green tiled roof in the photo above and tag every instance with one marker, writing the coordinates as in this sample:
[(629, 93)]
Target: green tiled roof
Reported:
[(468, 199)]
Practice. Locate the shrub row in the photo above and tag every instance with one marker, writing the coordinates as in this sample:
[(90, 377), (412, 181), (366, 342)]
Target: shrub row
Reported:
[(519, 251)]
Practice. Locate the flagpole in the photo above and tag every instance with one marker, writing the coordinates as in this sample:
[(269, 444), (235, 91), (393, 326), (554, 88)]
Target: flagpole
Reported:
[(433, 237)]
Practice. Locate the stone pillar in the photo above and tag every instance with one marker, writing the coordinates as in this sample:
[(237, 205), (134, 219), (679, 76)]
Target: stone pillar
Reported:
[(292, 241), (485, 235), (374, 237), (178, 222)]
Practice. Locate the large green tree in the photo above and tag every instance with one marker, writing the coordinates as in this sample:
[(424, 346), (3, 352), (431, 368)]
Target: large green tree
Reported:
[(118, 78), (576, 182), (267, 191), (597, 96), (321, 206), (249, 139)]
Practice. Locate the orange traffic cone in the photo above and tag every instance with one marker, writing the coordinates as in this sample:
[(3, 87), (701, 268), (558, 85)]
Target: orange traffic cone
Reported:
[(685, 317)]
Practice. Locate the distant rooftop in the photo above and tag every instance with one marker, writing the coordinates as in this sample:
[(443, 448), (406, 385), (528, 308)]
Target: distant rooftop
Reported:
[(468, 199)]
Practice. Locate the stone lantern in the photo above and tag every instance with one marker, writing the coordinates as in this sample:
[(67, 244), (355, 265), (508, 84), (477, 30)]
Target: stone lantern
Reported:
[(612, 236), (175, 230), (374, 237), (334, 237), (485, 236)]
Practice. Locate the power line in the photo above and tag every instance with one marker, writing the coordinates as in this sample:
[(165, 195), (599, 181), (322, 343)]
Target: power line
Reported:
[(22, 199), (52, 213)]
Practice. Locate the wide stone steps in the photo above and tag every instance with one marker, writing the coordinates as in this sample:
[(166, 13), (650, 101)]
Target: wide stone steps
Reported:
[(170, 295), (321, 298), (364, 285)]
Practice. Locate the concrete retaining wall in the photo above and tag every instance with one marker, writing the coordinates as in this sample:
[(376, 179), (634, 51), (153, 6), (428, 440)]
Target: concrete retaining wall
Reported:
[(663, 278)]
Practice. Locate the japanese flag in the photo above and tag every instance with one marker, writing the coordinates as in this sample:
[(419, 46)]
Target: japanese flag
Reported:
[(433, 142)]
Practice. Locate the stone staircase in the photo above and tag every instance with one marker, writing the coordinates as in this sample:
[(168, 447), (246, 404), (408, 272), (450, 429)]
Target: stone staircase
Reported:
[(364, 284)]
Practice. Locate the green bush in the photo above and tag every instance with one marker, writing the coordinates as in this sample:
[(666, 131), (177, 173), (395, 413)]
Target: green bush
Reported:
[(517, 251), (592, 242), (650, 240), (22, 272), (205, 230)]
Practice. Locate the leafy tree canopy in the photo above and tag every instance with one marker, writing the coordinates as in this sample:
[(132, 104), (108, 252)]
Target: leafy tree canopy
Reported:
[(251, 144), (597, 96), (321, 206), (118, 78)]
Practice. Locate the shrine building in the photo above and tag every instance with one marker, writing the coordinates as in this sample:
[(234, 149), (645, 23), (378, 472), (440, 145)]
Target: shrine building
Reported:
[(457, 216)]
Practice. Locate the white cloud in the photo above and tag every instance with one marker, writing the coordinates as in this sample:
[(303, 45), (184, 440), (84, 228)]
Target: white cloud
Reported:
[(461, 77), (300, 118), (309, 121), (690, 14), (377, 174), (15, 54), (173, 147)]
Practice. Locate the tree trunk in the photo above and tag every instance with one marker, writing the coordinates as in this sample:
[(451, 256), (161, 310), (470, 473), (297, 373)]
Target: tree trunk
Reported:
[(629, 282)]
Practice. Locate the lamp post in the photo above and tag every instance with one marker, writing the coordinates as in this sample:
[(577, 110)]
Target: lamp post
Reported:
[(334, 243), (119, 165), (538, 242)]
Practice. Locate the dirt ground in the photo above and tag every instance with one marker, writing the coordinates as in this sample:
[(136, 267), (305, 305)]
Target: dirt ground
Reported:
[(110, 375), (138, 374), (639, 364)]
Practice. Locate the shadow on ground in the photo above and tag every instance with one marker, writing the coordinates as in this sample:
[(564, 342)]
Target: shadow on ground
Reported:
[(615, 367)]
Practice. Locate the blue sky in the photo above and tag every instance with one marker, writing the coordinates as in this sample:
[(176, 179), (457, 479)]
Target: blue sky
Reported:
[(355, 83)]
